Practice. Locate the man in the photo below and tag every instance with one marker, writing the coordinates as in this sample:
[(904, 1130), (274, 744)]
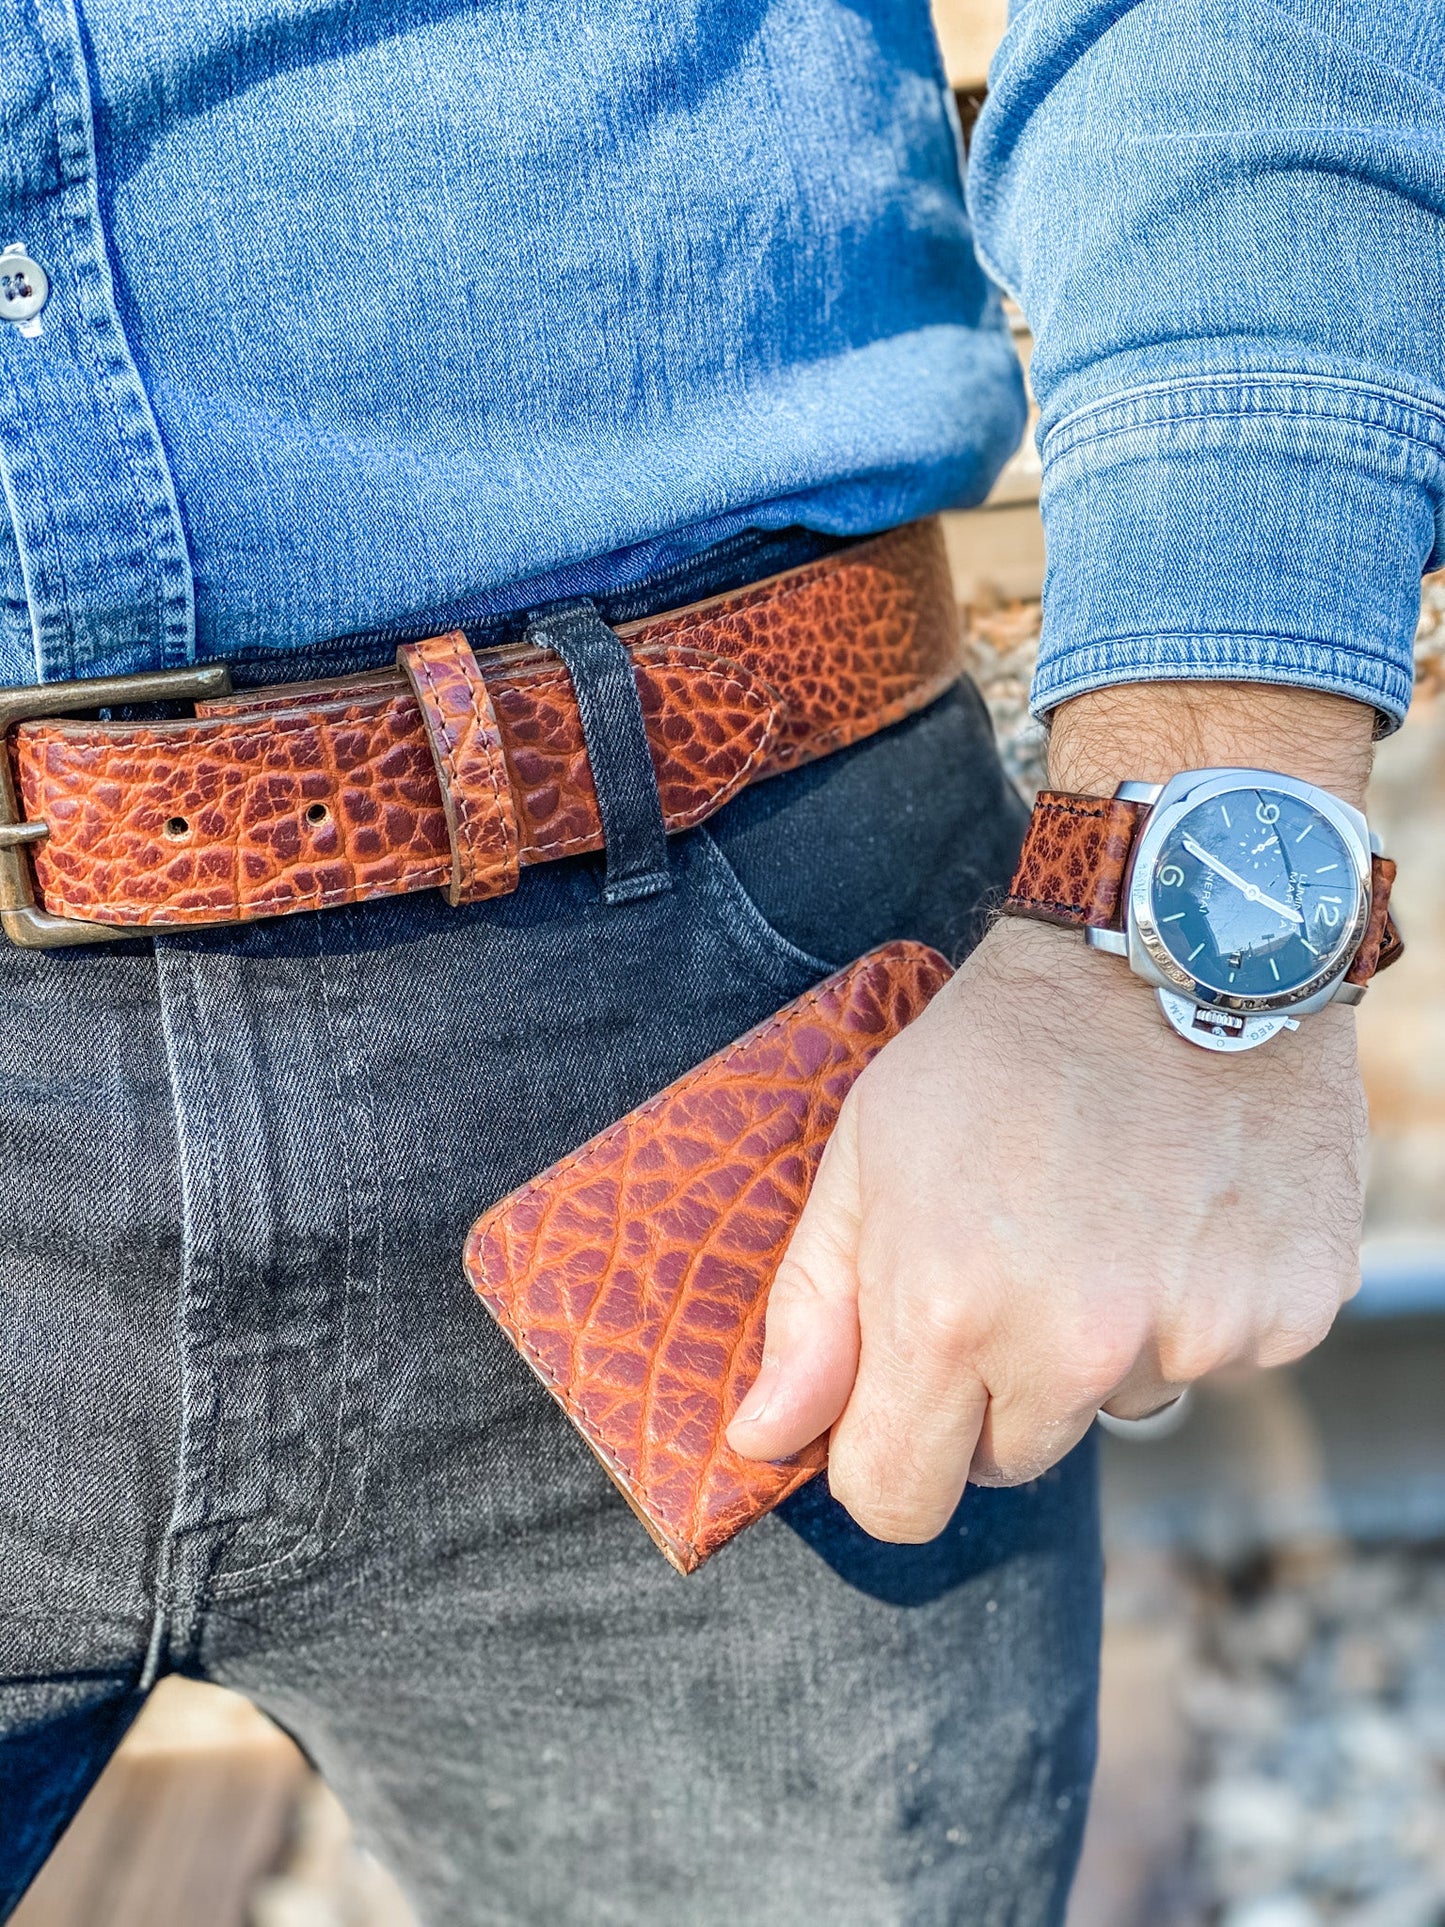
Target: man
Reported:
[(534, 322)]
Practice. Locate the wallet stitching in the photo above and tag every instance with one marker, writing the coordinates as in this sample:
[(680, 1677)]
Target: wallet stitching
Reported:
[(781, 1021)]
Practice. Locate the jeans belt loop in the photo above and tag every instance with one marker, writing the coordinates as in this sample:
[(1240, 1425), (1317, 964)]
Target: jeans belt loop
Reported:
[(610, 707)]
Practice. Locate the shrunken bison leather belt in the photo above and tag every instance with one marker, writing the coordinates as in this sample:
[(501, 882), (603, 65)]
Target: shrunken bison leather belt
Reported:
[(448, 771)]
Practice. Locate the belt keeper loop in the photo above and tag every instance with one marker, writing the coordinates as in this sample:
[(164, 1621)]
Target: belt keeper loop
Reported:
[(466, 747), (615, 732)]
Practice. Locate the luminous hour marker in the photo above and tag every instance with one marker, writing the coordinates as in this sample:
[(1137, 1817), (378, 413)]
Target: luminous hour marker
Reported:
[(1275, 968), (1325, 869), (1195, 952), (1304, 832), (1175, 918), (1225, 814)]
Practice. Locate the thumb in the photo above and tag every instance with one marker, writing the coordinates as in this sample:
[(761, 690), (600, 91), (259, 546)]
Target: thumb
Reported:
[(810, 1348)]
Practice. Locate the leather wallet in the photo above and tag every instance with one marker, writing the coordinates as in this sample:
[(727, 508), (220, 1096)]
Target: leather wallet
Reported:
[(633, 1275)]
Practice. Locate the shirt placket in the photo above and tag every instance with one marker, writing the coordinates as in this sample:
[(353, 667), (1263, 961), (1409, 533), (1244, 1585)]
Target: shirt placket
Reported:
[(107, 573)]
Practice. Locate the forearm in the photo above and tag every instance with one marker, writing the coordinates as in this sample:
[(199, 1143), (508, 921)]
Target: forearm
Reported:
[(1150, 731)]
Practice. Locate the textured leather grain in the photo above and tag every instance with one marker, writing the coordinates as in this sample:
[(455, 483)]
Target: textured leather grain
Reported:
[(1076, 852), (307, 795), (466, 746), (1382, 943), (633, 1275)]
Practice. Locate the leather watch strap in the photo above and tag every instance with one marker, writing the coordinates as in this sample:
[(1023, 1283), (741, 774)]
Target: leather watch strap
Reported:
[(1076, 852), (1071, 868), (1382, 943)]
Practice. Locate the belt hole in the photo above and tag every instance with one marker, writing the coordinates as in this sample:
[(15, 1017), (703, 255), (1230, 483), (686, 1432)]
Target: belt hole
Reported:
[(177, 828), (317, 814)]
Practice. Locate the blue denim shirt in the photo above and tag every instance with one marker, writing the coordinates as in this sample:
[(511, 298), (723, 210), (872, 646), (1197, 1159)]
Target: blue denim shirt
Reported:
[(383, 314)]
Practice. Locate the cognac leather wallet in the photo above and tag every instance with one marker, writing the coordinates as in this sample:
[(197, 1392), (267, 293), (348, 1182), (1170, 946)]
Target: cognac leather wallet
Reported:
[(633, 1275)]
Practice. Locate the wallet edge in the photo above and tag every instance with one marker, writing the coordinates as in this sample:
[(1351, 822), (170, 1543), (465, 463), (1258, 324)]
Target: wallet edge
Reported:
[(685, 1556)]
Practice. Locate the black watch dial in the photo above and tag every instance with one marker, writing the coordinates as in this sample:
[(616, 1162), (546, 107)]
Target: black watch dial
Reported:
[(1254, 893)]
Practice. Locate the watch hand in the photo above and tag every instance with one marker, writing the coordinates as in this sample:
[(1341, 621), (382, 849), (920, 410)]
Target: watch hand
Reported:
[(1251, 890), (1256, 895)]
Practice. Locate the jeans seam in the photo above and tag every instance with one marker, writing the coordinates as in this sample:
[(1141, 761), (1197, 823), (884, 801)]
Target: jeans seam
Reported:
[(1211, 636), (320, 1536), (180, 1525), (1121, 429), (1336, 403)]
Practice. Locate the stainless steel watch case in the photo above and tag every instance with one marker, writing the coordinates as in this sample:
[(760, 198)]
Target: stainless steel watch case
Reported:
[(1210, 1018)]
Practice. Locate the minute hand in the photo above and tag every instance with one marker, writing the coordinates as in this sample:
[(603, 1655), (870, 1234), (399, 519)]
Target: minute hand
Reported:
[(1251, 890)]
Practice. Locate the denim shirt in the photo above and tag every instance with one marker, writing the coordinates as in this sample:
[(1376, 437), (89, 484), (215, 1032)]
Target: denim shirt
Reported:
[(373, 316)]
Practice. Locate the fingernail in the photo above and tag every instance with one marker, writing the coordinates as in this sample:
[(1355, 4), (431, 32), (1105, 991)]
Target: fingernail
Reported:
[(756, 1404)]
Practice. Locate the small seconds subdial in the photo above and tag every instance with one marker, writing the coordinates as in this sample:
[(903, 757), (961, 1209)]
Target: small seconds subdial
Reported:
[(1254, 893)]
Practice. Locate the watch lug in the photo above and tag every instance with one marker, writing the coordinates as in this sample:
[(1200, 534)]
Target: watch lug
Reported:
[(1139, 792), (1114, 941), (1349, 993)]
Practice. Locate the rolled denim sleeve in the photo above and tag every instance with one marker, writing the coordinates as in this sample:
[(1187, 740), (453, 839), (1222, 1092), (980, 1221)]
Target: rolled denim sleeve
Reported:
[(1225, 221)]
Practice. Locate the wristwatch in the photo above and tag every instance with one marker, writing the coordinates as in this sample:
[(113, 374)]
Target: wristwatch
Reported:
[(1245, 898)]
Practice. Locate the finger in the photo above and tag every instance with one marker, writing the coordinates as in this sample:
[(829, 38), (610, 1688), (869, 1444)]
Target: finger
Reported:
[(1029, 1430), (898, 1458), (1016, 1445), (810, 1347), (1049, 1400)]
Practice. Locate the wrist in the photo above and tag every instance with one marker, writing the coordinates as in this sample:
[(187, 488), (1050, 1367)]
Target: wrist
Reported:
[(1148, 732)]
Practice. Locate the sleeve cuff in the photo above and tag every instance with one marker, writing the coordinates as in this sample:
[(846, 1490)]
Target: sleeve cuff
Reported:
[(1256, 528)]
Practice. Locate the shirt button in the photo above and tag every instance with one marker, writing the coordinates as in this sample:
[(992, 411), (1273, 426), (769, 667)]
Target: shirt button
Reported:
[(24, 289)]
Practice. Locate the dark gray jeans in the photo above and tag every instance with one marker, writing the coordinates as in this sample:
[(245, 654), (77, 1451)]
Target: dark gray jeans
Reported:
[(256, 1429)]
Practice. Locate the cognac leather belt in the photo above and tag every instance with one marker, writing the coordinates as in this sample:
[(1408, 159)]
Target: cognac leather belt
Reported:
[(447, 771)]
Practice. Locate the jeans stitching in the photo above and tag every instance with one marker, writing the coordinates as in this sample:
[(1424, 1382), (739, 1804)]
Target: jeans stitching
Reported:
[(1211, 637), (1119, 430), (735, 897), (197, 1202), (1335, 396), (319, 1537)]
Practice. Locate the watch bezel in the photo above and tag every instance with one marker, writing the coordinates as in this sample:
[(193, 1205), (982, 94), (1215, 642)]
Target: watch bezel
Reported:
[(1149, 956)]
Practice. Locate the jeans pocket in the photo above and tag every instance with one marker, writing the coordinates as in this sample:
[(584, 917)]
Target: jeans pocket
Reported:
[(912, 833), (761, 943)]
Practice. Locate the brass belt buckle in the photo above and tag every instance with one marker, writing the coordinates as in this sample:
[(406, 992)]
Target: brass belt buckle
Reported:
[(21, 918)]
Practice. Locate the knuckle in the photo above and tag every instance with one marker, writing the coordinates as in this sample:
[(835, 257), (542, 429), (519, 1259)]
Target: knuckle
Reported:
[(1197, 1350), (885, 1498), (1290, 1341), (1012, 1470), (795, 1281), (947, 1322), (1104, 1354)]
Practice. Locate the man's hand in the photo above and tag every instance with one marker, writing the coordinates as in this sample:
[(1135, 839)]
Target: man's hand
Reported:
[(1040, 1201)]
